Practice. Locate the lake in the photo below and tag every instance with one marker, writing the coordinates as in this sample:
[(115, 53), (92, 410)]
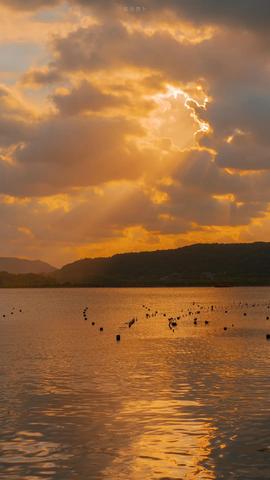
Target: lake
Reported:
[(188, 402)]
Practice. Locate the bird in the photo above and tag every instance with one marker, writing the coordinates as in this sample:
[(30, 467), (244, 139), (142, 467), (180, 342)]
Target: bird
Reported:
[(131, 322)]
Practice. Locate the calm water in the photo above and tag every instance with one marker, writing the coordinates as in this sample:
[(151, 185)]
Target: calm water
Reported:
[(188, 404)]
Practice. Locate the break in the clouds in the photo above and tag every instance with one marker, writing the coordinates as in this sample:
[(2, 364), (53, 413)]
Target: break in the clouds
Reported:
[(133, 128)]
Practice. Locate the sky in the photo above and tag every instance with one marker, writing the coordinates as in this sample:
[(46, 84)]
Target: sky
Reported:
[(130, 126)]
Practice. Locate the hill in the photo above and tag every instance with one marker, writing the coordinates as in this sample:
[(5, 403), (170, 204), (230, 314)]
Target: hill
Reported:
[(23, 266), (246, 264), (28, 280), (201, 264)]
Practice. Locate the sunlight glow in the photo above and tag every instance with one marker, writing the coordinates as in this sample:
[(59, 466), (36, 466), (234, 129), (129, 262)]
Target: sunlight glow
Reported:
[(175, 92)]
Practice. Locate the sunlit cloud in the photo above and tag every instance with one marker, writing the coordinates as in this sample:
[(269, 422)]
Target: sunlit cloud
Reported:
[(124, 130)]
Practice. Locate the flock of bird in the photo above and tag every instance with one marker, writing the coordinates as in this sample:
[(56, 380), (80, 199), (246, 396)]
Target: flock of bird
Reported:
[(101, 329), (194, 312), (198, 309), (12, 312)]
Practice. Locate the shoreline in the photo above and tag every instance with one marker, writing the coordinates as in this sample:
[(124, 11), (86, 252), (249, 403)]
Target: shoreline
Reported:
[(130, 286)]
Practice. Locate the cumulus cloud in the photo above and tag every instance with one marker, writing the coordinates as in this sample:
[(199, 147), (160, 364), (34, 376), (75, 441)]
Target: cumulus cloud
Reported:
[(116, 119), (41, 76), (214, 60), (209, 195), (16, 120), (81, 220), (85, 98), (241, 13), (244, 152), (29, 4), (72, 152)]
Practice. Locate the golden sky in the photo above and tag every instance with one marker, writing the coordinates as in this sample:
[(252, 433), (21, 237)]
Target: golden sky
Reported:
[(132, 126)]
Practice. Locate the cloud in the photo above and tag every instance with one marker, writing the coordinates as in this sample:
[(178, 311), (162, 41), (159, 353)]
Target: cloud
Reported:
[(41, 76), (85, 218), (209, 195), (244, 152), (85, 98), (241, 14), (30, 4), (238, 88), (72, 152), (16, 119), (118, 138), (216, 60)]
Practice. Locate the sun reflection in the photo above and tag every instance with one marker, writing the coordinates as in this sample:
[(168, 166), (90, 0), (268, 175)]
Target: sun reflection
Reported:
[(169, 444)]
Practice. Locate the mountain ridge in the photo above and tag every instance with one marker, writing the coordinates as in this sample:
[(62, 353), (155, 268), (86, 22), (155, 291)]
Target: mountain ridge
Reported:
[(196, 264), (216, 264), (15, 265)]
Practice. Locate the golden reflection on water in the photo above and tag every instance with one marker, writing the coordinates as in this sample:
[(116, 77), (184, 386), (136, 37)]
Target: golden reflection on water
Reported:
[(159, 405), (169, 449)]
